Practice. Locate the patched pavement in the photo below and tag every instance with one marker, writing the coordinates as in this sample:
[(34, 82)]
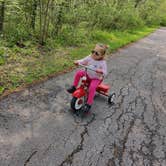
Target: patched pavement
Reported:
[(37, 127)]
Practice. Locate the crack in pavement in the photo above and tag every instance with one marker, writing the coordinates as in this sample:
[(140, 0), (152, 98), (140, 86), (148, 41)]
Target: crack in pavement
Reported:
[(70, 157), (119, 150), (131, 132), (29, 158)]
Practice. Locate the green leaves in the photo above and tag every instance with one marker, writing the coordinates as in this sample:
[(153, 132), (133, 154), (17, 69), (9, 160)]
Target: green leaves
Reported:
[(56, 19), (35, 30), (2, 56)]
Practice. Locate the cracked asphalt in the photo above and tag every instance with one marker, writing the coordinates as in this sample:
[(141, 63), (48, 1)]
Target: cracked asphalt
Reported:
[(37, 127)]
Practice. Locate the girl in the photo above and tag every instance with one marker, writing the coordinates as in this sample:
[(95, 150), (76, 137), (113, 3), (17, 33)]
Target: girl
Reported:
[(95, 61)]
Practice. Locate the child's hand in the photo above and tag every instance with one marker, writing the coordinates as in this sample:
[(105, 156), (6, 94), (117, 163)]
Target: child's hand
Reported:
[(85, 63), (99, 71), (76, 63)]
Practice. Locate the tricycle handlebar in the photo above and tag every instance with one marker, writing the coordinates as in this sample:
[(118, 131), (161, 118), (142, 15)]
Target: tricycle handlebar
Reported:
[(87, 67)]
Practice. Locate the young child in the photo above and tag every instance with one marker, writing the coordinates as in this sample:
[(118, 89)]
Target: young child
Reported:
[(95, 61)]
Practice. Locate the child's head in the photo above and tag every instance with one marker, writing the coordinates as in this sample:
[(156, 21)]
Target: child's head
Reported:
[(98, 53)]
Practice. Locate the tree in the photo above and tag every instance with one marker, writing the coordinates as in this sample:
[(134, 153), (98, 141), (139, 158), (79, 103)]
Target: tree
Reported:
[(44, 17), (2, 14), (33, 15)]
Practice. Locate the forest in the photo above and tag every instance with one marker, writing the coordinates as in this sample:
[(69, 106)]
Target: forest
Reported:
[(41, 37)]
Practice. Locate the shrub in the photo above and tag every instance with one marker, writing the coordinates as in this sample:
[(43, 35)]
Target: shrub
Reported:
[(72, 36)]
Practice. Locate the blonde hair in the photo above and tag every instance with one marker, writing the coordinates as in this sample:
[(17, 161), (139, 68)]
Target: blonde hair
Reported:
[(101, 48)]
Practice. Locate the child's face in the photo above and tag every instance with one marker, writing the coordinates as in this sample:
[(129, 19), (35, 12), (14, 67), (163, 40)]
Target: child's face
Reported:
[(96, 55)]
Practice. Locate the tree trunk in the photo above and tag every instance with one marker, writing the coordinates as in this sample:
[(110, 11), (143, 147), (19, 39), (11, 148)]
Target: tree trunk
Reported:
[(33, 19), (45, 22), (2, 14), (41, 22), (59, 18)]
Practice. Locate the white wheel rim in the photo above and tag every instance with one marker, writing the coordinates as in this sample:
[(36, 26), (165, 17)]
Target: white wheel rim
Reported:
[(77, 103), (113, 98)]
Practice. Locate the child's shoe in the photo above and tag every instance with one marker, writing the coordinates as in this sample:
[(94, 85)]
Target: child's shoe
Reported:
[(86, 108), (71, 89)]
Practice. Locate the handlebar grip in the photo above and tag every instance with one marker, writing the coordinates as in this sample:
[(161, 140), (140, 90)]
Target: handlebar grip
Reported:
[(86, 67)]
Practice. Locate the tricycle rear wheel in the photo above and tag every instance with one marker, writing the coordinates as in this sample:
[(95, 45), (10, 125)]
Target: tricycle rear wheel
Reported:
[(111, 98)]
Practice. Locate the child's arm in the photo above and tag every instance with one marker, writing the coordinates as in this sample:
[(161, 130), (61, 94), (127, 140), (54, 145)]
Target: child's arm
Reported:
[(83, 61), (103, 69)]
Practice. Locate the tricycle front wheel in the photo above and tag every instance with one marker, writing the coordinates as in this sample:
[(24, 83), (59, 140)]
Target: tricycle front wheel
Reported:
[(77, 103), (111, 98)]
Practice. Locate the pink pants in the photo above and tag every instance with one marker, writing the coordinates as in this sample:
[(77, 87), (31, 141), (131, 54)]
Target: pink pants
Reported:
[(92, 87)]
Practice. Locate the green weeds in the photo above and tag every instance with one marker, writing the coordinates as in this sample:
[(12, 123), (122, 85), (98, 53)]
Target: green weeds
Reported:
[(20, 66)]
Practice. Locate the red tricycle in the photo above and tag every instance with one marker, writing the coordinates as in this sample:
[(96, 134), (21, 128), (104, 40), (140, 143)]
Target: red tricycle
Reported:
[(81, 92)]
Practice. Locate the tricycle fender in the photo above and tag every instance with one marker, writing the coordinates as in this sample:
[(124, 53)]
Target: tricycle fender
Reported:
[(79, 93)]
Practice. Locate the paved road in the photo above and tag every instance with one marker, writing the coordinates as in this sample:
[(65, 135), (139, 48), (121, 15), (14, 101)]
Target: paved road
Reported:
[(37, 128)]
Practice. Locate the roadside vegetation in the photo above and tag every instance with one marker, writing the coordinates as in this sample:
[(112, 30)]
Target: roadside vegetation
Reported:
[(39, 38)]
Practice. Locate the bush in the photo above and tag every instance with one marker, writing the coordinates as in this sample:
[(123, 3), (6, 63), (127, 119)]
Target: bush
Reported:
[(163, 21), (72, 36), (16, 34), (2, 56), (113, 17), (151, 12)]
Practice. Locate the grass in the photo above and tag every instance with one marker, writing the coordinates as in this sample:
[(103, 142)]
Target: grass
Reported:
[(116, 39), (20, 66)]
